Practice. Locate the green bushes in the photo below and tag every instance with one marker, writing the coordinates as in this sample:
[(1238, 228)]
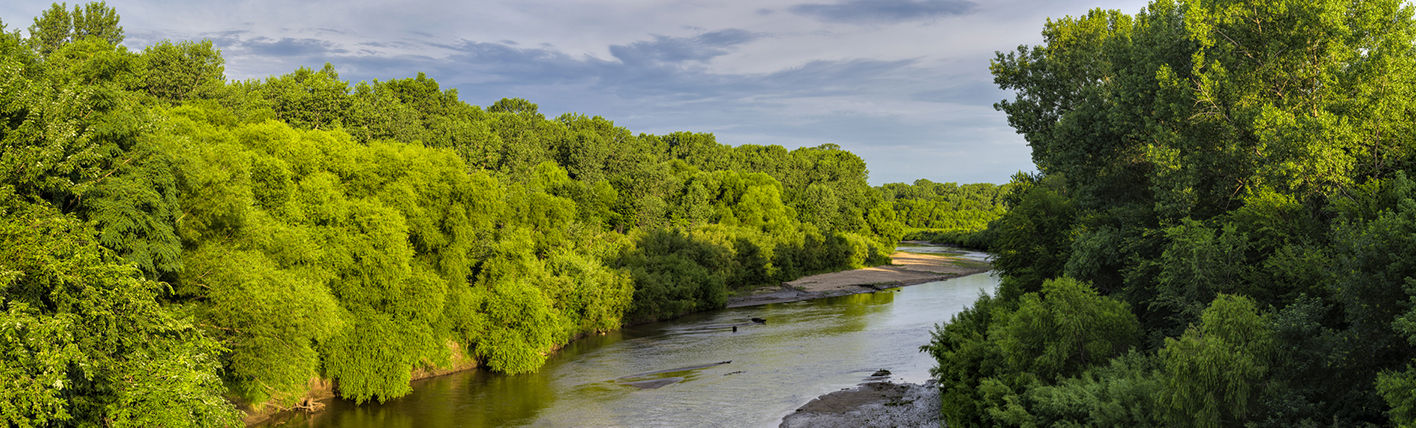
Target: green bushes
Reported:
[(675, 274), (991, 355), (83, 338)]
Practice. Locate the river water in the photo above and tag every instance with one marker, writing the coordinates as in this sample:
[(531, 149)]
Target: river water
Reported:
[(673, 373)]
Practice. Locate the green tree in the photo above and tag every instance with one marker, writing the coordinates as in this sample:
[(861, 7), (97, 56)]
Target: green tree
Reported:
[(51, 29), (1215, 373), (308, 99), (86, 341), (57, 26), (183, 70), (1065, 329), (1033, 239)]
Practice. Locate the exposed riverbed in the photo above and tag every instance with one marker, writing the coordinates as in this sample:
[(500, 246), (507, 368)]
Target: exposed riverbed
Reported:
[(693, 371)]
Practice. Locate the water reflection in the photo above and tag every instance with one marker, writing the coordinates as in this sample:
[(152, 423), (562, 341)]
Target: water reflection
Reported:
[(804, 349)]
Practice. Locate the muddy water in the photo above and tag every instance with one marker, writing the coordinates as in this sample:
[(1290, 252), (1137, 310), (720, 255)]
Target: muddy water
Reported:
[(693, 371)]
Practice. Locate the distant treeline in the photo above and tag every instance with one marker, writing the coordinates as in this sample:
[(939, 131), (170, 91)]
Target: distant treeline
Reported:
[(947, 213), (1223, 230), (173, 238), (945, 206)]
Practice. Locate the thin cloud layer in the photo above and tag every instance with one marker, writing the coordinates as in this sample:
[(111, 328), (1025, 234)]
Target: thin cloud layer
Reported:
[(862, 11), (700, 48)]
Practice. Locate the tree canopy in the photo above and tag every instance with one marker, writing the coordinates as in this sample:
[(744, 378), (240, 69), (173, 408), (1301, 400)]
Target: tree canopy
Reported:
[(175, 239), (1236, 173)]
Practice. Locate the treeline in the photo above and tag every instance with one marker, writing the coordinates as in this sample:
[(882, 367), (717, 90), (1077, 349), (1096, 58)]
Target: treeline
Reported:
[(948, 213), (174, 238), (945, 206), (1222, 230)]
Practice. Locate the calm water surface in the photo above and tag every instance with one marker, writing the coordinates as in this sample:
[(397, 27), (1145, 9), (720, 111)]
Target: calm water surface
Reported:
[(804, 350)]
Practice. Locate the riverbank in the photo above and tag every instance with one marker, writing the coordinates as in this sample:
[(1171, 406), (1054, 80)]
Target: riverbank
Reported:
[(874, 403), (906, 269), (319, 391)]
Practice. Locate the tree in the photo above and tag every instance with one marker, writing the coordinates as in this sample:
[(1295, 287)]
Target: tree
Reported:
[(1033, 240), (308, 99), (1065, 329), (183, 70), (516, 106), (1215, 372), (97, 20), (51, 29), (85, 341), (57, 26)]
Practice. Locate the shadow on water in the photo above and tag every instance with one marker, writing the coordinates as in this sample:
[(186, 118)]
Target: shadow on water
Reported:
[(474, 398), (692, 371)]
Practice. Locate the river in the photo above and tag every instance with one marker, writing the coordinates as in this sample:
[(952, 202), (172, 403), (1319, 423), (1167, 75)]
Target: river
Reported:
[(671, 373)]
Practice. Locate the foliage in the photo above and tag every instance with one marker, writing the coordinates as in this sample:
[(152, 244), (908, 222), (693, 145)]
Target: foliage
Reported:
[(85, 339), (305, 227), (992, 356), (1118, 394), (1214, 372), (981, 240), (183, 70), (946, 207), (1032, 241), (1237, 172)]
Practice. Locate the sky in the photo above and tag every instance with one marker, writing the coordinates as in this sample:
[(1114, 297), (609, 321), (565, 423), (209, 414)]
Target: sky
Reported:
[(904, 84)]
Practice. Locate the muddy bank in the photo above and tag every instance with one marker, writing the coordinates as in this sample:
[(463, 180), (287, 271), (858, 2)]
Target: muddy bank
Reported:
[(874, 403), (906, 269)]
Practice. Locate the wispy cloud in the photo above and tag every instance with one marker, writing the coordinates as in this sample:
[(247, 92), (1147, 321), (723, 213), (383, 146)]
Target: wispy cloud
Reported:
[(665, 49), (866, 11), (288, 47)]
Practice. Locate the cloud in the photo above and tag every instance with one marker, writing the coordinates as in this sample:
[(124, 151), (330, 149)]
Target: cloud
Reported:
[(865, 11), (286, 47), (974, 93), (665, 49)]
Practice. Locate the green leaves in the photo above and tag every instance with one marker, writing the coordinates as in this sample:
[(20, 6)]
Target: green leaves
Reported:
[(1235, 171), (1214, 372), (306, 231), (993, 356), (85, 339), (183, 70), (1065, 329)]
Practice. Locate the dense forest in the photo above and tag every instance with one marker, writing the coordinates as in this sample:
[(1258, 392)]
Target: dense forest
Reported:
[(945, 206), (175, 241), (1222, 229), (948, 213)]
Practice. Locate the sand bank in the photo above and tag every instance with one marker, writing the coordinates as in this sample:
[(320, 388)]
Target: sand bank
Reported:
[(906, 269)]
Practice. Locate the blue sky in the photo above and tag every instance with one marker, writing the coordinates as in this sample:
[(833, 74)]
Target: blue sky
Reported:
[(902, 83)]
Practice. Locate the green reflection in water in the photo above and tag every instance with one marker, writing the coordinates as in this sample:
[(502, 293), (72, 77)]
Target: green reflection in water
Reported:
[(805, 349)]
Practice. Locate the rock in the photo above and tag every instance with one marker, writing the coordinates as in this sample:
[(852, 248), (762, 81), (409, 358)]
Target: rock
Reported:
[(881, 372), (872, 404)]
